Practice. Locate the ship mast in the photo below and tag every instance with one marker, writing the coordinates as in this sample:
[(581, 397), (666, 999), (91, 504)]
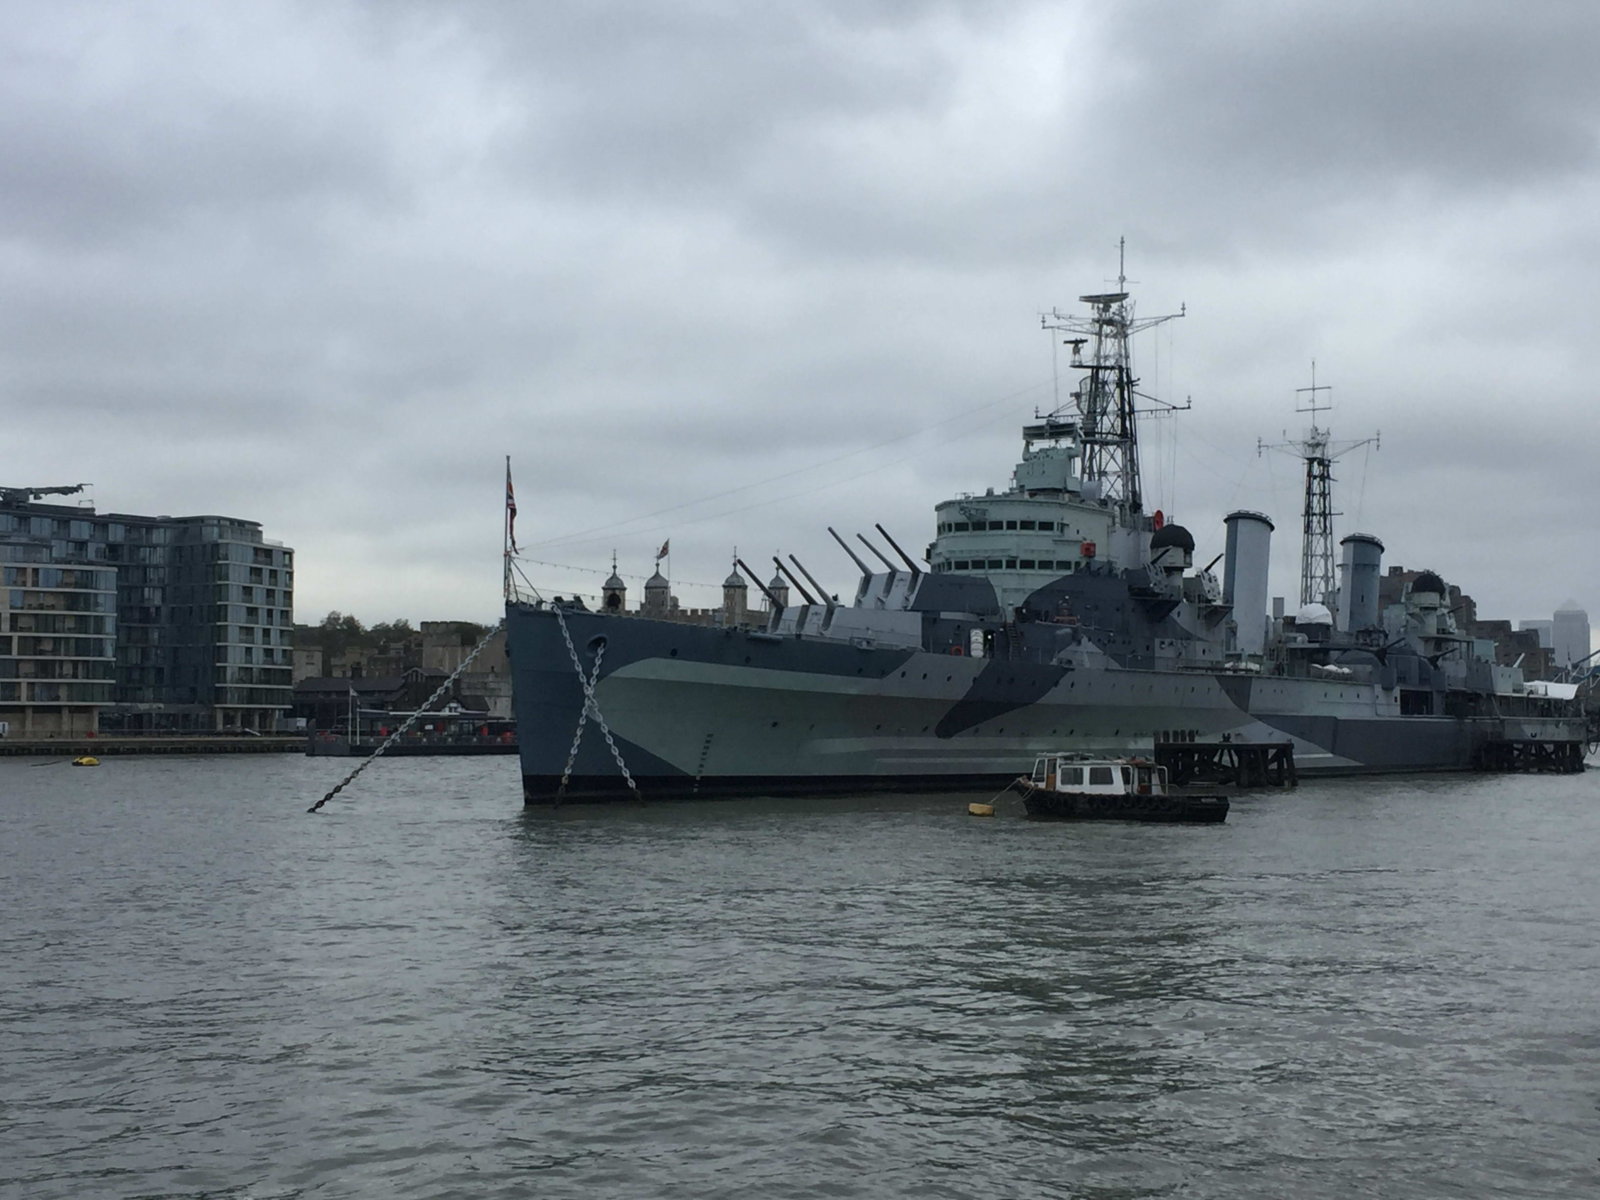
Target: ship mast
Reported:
[(1107, 395), (1319, 452)]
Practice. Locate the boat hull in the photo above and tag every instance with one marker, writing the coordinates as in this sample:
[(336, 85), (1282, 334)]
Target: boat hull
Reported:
[(706, 711), (1070, 806)]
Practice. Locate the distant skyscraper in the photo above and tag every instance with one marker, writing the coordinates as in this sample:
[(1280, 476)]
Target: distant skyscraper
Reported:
[(1569, 639), (1545, 630)]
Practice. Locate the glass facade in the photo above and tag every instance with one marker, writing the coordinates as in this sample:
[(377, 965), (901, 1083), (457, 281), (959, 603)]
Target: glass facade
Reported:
[(145, 624), (57, 638)]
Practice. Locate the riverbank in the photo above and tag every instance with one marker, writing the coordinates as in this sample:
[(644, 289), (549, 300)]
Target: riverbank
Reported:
[(106, 746)]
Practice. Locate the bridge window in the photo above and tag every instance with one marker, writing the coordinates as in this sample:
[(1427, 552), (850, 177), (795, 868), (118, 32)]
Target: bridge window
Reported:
[(1026, 564), (960, 527), (1028, 524), (1047, 526)]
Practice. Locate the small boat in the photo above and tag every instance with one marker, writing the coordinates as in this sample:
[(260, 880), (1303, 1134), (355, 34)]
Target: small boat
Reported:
[(1082, 787)]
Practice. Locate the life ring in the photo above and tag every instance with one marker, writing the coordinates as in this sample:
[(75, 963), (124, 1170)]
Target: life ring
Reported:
[(957, 651)]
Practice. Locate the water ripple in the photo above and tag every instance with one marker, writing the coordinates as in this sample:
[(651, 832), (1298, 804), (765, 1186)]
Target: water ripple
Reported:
[(1352, 989)]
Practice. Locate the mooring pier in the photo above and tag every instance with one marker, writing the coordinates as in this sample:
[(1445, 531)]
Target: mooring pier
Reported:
[(1232, 763)]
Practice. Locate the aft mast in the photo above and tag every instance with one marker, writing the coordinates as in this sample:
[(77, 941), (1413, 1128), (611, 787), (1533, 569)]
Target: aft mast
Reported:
[(1107, 395), (1319, 452)]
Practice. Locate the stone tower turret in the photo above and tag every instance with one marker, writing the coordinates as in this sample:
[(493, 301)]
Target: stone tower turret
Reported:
[(657, 596), (735, 599), (614, 593), (779, 589)]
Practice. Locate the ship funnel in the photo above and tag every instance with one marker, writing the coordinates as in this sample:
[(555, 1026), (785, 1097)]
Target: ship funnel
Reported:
[(1244, 576), (1358, 591)]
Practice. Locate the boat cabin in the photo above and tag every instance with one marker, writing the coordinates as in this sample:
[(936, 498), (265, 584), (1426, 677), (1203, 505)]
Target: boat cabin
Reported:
[(1098, 776)]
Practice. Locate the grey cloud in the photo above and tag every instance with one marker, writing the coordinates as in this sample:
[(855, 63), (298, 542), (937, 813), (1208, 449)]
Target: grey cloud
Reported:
[(1308, 107), (325, 265)]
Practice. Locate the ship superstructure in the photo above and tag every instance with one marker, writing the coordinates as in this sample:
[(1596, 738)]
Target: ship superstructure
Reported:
[(1052, 616)]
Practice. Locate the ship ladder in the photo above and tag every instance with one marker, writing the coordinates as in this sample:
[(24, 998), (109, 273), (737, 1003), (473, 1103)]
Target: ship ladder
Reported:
[(590, 704)]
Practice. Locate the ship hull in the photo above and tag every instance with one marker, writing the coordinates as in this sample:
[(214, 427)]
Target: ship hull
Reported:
[(706, 711)]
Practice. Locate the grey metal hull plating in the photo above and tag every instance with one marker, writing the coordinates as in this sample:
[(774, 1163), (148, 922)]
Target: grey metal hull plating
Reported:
[(695, 710)]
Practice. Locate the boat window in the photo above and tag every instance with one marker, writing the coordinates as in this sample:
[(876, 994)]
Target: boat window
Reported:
[(1011, 564), (1026, 564), (1039, 767), (995, 564), (1029, 524), (997, 525), (960, 527), (1011, 524), (1047, 526), (1072, 776), (1100, 775)]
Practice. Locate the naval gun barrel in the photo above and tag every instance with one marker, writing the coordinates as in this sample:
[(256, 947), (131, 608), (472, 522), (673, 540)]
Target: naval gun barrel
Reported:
[(854, 557), (789, 575), (765, 591), (893, 570), (916, 572), (822, 591)]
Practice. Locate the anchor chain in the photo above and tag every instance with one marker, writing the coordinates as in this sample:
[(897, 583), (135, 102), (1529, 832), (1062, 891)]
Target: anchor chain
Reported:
[(583, 721), (589, 703), (409, 721)]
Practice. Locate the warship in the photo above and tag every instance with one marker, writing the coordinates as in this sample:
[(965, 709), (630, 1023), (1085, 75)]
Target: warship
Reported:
[(1053, 616)]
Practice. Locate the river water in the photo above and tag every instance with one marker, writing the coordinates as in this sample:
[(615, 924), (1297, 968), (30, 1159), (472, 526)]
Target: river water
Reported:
[(1385, 988)]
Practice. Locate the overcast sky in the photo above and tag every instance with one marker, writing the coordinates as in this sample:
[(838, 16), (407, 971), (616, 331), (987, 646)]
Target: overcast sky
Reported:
[(729, 273)]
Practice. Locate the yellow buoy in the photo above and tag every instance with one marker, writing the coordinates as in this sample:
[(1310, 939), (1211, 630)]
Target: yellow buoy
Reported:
[(980, 810), (88, 760)]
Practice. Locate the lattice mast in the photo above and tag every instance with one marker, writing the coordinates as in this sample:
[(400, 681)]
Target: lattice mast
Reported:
[(1107, 396), (1319, 452)]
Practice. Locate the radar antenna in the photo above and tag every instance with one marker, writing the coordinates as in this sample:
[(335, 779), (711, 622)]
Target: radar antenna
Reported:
[(1319, 451), (1107, 396)]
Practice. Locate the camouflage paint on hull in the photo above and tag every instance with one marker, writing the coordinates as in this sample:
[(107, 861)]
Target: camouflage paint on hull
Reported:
[(698, 711)]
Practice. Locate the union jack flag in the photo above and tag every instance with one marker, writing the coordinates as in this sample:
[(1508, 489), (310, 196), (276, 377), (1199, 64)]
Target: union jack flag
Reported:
[(511, 510)]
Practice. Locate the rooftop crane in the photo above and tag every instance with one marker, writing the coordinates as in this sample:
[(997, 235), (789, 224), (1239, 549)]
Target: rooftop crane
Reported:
[(21, 495)]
